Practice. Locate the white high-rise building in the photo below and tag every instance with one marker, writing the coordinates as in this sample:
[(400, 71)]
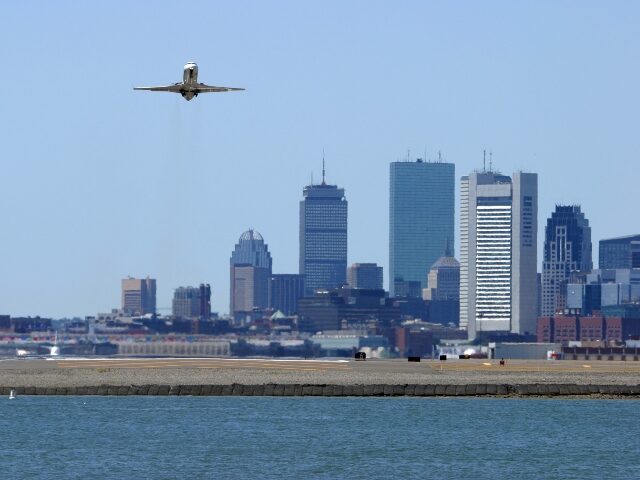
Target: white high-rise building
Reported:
[(498, 254)]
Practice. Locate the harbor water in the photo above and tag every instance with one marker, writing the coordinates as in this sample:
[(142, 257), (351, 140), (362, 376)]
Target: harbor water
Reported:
[(266, 437)]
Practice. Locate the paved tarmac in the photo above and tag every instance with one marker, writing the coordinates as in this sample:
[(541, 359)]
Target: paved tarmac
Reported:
[(69, 372)]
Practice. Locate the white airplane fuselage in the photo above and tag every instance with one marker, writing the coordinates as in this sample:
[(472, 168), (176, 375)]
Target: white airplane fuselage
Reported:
[(189, 87), (189, 77)]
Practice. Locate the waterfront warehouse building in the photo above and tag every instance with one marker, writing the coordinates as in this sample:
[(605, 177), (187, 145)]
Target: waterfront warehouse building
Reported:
[(323, 237), (139, 296), (620, 252), (365, 275), (498, 253), (421, 221), (567, 248), (250, 268)]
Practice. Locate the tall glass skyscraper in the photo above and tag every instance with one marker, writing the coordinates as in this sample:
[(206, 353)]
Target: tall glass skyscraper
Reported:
[(323, 237), (567, 248), (421, 219)]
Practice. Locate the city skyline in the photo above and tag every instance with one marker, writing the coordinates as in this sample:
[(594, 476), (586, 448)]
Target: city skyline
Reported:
[(456, 78), (247, 255)]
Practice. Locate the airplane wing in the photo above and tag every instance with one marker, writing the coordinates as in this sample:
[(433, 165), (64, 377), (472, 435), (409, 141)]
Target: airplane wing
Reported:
[(202, 88), (176, 87)]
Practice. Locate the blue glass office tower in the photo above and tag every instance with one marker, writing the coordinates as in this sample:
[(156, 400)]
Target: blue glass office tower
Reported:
[(621, 252), (421, 219), (323, 237), (567, 248)]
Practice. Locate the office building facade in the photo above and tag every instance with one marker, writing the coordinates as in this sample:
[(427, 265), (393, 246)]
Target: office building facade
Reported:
[(192, 302), (590, 292), (323, 237), (285, 289), (443, 281), (421, 221), (620, 252), (365, 276), (442, 294), (250, 290), (138, 296), (250, 268), (567, 248), (498, 254)]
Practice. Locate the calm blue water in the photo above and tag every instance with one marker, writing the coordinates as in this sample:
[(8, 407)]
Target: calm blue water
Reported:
[(254, 437)]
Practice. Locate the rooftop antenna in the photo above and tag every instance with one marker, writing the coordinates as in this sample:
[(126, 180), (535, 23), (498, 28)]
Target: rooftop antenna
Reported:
[(491, 161), (408, 155), (323, 167), (311, 178), (484, 161), (439, 156)]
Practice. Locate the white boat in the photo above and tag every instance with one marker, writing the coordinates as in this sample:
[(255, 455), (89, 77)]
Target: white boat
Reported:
[(12, 395)]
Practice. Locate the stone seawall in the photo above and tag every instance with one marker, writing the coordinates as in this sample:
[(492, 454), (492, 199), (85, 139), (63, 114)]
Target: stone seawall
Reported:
[(315, 390)]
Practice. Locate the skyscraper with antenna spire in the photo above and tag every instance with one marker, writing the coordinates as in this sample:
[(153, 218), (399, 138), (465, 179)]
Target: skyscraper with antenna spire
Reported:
[(323, 235), (498, 252)]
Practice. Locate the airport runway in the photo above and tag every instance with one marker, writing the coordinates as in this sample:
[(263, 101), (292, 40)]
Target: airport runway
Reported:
[(224, 371), (207, 363)]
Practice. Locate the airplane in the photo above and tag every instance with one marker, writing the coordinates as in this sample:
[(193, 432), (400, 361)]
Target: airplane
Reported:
[(189, 87), (54, 351)]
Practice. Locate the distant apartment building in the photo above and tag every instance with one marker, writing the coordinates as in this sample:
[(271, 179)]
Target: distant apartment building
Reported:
[(139, 296), (421, 221), (620, 252), (250, 268), (567, 248), (498, 253), (192, 302), (323, 237), (285, 289), (615, 325), (365, 276)]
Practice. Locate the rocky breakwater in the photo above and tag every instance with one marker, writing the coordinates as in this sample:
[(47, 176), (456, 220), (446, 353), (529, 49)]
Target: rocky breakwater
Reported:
[(315, 390)]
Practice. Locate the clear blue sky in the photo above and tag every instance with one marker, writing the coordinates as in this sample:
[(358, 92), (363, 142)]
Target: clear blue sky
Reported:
[(100, 182)]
